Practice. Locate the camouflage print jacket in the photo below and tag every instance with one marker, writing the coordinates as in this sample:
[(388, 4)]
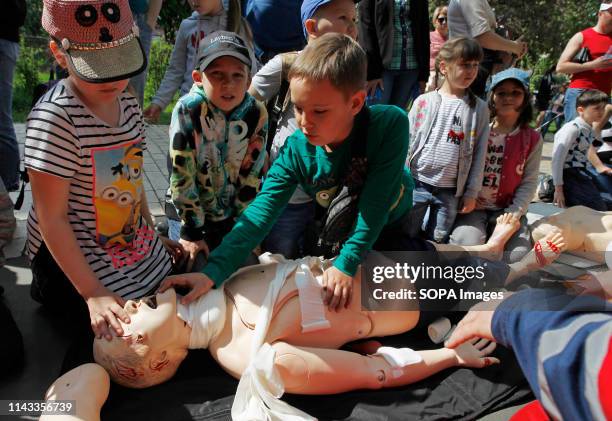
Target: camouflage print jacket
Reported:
[(218, 160)]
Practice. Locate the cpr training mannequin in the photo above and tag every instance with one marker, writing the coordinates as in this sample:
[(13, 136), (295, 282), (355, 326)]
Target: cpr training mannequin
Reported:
[(303, 357), (587, 232)]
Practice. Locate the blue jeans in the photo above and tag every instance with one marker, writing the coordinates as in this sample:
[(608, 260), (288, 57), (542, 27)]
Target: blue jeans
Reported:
[(569, 105), (139, 81), (9, 151), (397, 87), (579, 188), (442, 204), (286, 235), (603, 182)]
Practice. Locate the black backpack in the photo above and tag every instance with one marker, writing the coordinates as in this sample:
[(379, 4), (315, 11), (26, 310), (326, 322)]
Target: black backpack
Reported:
[(546, 188), (328, 233), (545, 92)]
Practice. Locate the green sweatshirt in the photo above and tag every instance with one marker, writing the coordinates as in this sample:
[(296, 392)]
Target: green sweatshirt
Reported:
[(386, 194)]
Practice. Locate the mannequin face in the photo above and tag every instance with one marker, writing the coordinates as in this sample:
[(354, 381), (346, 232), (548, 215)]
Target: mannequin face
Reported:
[(153, 320), (152, 347)]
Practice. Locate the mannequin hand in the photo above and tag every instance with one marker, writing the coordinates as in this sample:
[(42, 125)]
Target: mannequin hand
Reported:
[(337, 289), (474, 353), (198, 283), (192, 248), (559, 197), (151, 113), (371, 86), (175, 249), (105, 308), (467, 205)]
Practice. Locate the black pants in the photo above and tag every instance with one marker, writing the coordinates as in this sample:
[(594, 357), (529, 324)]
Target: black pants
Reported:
[(52, 288)]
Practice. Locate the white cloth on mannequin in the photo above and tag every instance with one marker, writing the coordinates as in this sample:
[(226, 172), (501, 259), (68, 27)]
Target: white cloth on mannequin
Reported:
[(260, 387), (205, 316)]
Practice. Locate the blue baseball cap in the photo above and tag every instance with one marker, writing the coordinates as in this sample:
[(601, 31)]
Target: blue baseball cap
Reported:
[(309, 8), (519, 75)]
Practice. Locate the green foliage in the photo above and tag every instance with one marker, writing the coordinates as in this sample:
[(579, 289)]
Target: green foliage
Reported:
[(547, 25), (158, 61), (28, 71), (32, 26), (171, 15)]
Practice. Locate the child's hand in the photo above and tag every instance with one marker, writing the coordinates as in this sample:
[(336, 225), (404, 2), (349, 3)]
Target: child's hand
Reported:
[(199, 284), (337, 289), (475, 324), (105, 308), (175, 249), (192, 248), (151, 113), (559, 197), (605, 170), (467, 205)]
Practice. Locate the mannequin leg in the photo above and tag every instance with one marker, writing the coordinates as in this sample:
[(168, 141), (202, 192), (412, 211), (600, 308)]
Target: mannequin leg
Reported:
[(320, 371), (507, 225), (543, 253)]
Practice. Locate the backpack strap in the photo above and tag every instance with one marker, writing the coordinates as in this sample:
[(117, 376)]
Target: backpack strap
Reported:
[(356, 173), (339, 218), (277, 105)]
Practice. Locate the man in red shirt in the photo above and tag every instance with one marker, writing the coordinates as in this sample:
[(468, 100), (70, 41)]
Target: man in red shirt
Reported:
[(596, 71)]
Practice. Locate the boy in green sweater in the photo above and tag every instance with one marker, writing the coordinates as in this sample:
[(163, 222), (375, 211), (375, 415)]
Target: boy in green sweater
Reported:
[(327, 83)]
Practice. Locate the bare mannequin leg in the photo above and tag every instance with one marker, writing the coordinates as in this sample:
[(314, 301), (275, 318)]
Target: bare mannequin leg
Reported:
[(543, 253), (87, 386), (507, 225)]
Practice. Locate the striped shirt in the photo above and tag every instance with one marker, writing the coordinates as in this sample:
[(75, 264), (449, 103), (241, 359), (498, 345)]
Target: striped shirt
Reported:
[(437, 162), (104, 166)]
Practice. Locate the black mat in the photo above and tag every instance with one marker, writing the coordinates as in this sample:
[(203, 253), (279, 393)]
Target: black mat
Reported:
[(201, 390)]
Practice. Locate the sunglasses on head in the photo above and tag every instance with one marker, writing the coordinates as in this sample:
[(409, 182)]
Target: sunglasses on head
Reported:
[(441, 19)]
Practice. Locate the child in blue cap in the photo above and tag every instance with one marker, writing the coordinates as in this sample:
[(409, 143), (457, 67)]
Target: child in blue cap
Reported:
[(512, 165)]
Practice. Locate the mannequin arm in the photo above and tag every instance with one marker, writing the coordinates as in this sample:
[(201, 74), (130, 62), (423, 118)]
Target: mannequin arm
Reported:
[(87, 386), (320, 371)]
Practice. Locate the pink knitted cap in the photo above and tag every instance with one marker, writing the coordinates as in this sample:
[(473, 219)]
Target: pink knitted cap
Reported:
[(99, 37)]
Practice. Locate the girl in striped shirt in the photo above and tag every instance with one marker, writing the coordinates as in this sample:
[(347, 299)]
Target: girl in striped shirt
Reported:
[(89, 241)]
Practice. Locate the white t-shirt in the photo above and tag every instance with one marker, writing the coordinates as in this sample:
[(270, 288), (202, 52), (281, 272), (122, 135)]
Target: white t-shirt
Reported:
[(437, 163), (470, 18), (105, 168), (267, 83), (492, 171)]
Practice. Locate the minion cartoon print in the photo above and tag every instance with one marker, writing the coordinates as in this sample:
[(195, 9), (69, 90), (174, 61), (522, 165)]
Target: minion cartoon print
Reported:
[(118, 190)]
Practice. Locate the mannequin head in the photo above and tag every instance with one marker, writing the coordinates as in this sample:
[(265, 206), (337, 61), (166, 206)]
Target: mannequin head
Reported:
[(152, 347)]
